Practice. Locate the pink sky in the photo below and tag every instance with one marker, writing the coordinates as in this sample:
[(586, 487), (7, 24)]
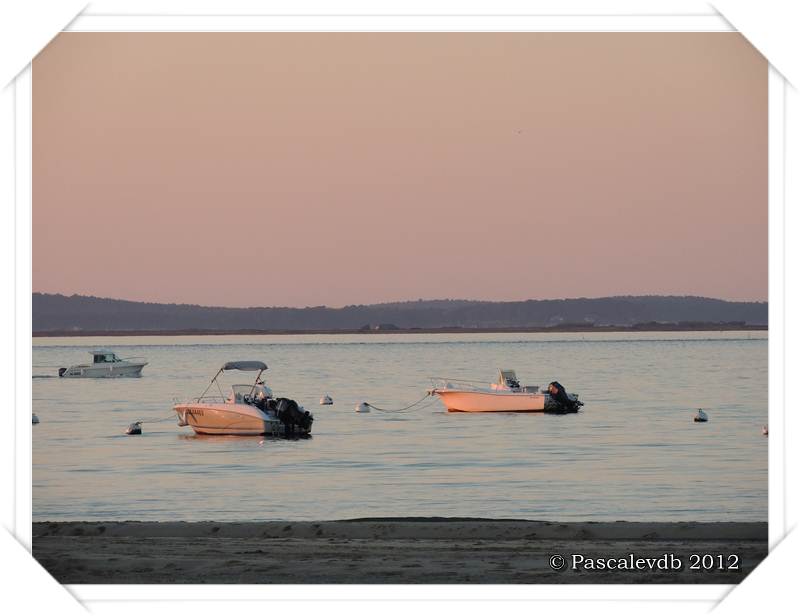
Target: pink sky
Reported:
[(341, 168)]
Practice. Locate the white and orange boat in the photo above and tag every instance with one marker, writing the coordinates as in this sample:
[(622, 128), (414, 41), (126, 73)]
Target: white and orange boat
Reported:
[(249, 409), (504, 396)]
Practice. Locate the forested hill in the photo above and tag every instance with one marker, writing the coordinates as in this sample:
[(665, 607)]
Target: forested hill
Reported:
[(78, 313)]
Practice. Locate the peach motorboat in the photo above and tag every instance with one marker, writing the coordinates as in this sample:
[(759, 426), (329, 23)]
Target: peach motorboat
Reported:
[(249, 410), (505, 396)]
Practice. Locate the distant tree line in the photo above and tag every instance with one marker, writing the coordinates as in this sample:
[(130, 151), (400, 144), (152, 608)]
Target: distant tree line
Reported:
[(53, 312)]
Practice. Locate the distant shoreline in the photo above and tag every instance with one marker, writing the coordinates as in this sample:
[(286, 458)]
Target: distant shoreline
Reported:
[(567, 329), (79, 315)]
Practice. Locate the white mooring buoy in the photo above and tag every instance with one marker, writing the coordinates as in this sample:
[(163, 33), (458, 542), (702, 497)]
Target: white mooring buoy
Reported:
[(701, 416), (34, 418), (326, 400), (362, 408)]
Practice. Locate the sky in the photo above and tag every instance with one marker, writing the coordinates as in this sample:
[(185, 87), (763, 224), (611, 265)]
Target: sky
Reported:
[(304, 169)]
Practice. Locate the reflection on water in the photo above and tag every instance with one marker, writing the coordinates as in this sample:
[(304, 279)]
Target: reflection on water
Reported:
[(259, 440), (632, 453)]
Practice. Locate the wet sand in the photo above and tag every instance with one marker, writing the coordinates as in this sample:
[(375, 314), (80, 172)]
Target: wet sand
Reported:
[(395, 551)]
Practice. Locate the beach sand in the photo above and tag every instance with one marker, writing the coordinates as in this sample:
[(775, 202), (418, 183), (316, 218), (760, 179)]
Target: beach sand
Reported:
[(390, 551)]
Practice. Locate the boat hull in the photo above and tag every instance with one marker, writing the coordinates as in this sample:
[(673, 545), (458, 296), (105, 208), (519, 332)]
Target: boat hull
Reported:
[(458, 401), (104, 371), (233, 419)]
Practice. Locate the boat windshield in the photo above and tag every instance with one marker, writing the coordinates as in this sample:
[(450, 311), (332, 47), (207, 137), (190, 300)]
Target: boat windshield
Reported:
[(238, 392), (245, 394), (105, 358)]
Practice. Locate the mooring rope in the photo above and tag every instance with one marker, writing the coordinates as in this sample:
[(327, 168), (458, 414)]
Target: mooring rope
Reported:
[(136, 426), (143, 421), (400, 410)]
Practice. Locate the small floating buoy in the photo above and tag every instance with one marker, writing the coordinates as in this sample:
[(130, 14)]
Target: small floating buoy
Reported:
[(34, 418), (362, 408), (764, 430), (134, 428), (326, 400), (701, 416)]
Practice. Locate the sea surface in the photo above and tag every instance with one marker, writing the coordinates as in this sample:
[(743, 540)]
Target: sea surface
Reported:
[(632, 453)]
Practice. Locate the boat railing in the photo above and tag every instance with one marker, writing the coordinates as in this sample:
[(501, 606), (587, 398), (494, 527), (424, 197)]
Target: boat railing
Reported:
[(135, 359), (440, 382), (215, 399)]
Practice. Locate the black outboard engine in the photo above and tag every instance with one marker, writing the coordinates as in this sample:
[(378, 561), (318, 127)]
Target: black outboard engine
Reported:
[(61, 371), (561, 401), (292, 417)]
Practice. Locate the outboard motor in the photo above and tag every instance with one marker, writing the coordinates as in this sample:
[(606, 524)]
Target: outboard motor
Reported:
[(292, 416), (561, 401), (61, 371)]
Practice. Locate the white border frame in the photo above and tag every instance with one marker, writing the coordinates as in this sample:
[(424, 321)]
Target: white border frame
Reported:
[(23, 285), (400, 23), (90, 21), (777, 308)]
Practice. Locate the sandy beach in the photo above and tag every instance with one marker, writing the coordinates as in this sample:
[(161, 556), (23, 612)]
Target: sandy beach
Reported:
[(398, 551)]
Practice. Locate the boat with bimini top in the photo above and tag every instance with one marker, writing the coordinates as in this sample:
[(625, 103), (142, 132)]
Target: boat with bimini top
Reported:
[(247, 410)]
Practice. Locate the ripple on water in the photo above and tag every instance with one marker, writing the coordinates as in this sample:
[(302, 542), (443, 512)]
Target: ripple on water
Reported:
[(633, 453)]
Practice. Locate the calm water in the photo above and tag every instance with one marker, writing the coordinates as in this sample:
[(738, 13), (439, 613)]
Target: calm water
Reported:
[(633, 453)]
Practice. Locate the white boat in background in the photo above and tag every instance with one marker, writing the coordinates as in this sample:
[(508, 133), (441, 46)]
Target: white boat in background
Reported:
[(249, 410), (504, 396), (105, 364)]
